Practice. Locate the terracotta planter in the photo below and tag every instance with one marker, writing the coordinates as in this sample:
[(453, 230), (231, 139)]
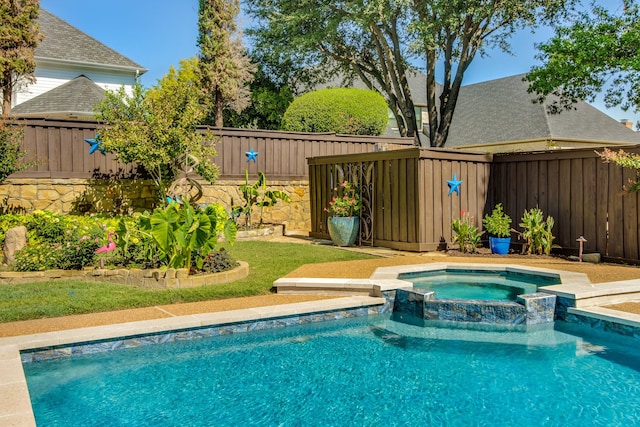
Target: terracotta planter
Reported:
[(343, 229)]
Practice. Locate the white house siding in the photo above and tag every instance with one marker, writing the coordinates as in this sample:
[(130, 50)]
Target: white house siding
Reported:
[(51, 76)]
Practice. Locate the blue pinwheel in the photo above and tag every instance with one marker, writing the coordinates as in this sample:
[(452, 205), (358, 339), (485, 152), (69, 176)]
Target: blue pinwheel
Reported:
[(95, 144)]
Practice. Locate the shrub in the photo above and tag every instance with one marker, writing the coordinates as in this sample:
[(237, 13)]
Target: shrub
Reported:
[(218, 261), (57, 241), (537, 231), (35, 257), (498, 224), (467, 235), (341, 110)]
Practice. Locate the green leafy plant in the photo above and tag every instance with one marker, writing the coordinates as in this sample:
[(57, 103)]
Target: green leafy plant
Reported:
[(466, 234), (256, 195), (345, 202), (182, 233), (70, 241), (218, 261), (35, 257), (497, 224), (537, 231)]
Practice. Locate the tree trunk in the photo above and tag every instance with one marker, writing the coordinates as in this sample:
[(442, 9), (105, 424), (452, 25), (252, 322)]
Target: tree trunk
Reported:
[(218, 108), (7, 93)]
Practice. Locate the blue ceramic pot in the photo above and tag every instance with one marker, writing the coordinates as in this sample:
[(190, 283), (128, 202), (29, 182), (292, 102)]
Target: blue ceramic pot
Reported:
[(343, 229), (499, 245)]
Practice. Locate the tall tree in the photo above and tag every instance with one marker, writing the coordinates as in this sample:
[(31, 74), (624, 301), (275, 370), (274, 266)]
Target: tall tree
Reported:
[(19, 36), (455, 31), (318, 40), (224, 68), (599, 51), (269, 101), (378, 40)]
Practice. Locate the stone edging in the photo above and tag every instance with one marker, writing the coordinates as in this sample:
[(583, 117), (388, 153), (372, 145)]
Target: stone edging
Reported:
[(170, 278)]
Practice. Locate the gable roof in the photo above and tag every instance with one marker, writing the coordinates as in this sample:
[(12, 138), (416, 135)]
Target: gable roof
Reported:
[(65, 43), (502, 110), (74, 98)]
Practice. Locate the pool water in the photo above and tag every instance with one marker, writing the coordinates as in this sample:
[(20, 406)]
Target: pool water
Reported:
[(351, 372), (478, 284)]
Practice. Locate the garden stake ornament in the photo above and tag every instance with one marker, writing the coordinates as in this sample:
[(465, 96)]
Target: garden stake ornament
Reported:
[(183, 188), (109, 247), (581, 240)]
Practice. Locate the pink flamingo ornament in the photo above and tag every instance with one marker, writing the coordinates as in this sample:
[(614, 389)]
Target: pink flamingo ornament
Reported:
[(109, 247)]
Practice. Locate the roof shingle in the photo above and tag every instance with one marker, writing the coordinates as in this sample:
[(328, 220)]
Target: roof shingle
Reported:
[(64, 42)]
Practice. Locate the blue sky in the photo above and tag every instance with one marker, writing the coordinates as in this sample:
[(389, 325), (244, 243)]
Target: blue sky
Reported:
[(159, 33)]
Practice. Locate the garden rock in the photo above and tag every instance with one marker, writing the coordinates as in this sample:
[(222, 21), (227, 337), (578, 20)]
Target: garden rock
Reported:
[(15, 239)]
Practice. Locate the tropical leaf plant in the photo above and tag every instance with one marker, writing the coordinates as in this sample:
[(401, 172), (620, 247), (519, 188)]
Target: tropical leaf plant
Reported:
[(256, 195), (537, 231), (183, 232)]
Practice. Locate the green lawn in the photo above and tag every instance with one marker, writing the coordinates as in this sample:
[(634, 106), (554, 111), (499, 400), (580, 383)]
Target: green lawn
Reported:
[(268, 261)]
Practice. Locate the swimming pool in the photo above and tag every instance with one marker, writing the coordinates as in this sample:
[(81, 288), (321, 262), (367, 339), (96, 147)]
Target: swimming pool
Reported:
[(349, 372), (494, 285)]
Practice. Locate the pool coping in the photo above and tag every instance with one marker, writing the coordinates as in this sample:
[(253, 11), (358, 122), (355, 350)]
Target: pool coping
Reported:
[(15, 403)]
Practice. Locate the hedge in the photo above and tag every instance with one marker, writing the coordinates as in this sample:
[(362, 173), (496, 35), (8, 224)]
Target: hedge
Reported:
[(347, 111)]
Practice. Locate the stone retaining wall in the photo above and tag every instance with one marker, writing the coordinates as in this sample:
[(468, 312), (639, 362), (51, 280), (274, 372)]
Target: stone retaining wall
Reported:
[(153, 278), (127, 196)]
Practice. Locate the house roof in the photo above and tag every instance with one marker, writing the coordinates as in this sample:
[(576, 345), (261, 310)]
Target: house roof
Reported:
[(74, 98), (502, 110), (64, 42)]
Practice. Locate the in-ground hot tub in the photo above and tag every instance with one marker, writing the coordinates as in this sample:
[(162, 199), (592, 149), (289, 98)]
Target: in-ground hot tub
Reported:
[(490, 294), (469, 283)]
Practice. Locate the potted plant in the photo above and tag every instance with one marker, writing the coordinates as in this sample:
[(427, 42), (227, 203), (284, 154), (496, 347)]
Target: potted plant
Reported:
[(344, 209), (498, 225)]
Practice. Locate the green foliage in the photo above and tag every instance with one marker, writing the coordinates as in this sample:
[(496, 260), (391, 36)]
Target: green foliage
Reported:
[(223, 67), (256, 195), (11, 157), (269, 100), (18, 41), (135, 244), (537, 231), (57, 241), (156, 127), (182, 233), (626, 160), (498, 224), (377, 41), (466, 234), (35, 257), (218, 261), (345, 111), (345, 202), (598, 51)]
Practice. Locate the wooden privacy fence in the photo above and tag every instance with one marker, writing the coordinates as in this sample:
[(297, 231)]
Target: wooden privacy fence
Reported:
[(582, 194), (60, 150), (405, 194)]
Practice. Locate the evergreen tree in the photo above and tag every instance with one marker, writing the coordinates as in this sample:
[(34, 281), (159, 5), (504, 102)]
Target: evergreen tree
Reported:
[(19, 37), (224, 68)]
